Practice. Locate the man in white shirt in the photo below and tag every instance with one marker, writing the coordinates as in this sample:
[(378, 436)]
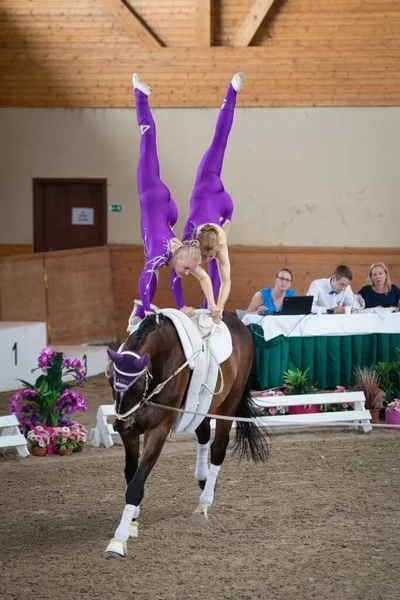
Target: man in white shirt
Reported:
[(333, 293)]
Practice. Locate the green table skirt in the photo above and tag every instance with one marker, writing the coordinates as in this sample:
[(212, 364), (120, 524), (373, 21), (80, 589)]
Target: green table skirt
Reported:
[(331, 359)]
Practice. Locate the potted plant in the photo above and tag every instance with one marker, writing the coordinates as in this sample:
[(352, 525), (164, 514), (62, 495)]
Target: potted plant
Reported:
[(38, 440), (50, 401), (64, 440), (270, 411), (366, 380), (299, 384), (340, 389), (79, 433), (389, 379), (392, 413)]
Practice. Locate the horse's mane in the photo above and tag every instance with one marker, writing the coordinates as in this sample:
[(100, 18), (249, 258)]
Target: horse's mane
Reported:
[(149, 324)]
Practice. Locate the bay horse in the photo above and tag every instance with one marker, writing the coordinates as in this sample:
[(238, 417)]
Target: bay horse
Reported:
[(153, 356)]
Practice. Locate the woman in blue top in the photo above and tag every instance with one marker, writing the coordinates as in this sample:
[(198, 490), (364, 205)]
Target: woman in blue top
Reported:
[(270, 300), (379, 291)]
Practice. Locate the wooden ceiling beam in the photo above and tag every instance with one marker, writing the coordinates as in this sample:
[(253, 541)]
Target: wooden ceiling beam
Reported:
[(251, 23), (137, 28), (204, 23)]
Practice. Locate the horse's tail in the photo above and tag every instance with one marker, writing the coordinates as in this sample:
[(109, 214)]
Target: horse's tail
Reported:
[(251, 439)]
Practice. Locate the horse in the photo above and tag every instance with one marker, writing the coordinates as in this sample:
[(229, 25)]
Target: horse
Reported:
[(153, 363)]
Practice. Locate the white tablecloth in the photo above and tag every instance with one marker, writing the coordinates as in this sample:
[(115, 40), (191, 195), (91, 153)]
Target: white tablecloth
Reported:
[(318, 325)]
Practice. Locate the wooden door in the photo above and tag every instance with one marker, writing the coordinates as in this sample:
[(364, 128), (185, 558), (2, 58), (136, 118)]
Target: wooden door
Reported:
[(69, 213)]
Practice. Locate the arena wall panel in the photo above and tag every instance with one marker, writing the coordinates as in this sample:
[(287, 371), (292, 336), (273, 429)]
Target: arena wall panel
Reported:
[(90, 292)]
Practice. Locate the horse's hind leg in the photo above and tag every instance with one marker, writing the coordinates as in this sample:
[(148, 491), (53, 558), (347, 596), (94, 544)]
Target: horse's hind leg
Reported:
[(218, 452), (203, 446)]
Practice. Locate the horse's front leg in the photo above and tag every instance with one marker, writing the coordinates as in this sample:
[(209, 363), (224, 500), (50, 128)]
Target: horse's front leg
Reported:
[(132, 444), (154, 441)]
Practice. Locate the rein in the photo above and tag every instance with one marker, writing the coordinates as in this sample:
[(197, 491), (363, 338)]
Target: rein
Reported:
[(146, 400)]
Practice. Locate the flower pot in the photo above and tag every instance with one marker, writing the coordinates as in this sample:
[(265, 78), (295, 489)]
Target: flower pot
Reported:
[(304, 410), (393, 418), (50, 448), (374, 415), (78, 449), (38, 451), (65, 452)]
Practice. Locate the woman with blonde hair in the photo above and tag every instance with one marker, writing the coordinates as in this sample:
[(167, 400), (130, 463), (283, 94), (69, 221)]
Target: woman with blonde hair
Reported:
[(379, 291), (158, 216), (211, 207)]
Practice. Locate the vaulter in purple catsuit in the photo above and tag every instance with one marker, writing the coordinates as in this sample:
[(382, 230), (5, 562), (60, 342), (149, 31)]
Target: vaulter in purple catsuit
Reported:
[(211, 207), (158, 216), (205, 234)]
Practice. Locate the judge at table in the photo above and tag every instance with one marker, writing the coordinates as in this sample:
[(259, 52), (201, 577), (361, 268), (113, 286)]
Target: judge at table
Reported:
[(380, 292), (332, 293), (270, 300)]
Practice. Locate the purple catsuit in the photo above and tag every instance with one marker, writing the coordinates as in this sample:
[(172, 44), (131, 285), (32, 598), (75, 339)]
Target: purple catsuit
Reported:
[(158, 209), (210, 203)]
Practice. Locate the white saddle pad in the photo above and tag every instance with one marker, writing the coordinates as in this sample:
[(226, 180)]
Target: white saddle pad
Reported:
[(216, 344)]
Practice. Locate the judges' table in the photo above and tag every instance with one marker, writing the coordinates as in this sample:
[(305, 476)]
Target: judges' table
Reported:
[(329, 345)]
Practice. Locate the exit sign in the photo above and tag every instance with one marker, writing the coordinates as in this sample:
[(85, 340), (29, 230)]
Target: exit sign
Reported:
[(115, 208)]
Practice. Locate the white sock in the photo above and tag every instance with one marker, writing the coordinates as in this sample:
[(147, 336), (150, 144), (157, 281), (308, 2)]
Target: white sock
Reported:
[(238, 81), (207, 495), (138, 85), (130, 512), (201, 472)]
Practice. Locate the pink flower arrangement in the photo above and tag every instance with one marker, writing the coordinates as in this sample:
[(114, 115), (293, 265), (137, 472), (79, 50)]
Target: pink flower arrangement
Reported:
[(273, 410), (340, 389), (394, 406), (50, 400), (38, 437)]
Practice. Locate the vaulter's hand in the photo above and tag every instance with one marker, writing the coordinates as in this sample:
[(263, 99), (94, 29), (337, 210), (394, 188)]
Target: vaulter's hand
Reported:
[(216, 314), (188, 310)]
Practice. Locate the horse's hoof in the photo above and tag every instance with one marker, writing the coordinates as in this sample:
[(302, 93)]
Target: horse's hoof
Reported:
[(202, 484), (201, 514), (115, 549), (112, 555)]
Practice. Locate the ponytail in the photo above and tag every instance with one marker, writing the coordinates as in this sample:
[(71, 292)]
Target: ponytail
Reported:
[(208, 237), (189, 248)]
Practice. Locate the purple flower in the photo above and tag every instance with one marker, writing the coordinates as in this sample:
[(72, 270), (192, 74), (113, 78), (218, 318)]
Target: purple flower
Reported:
[(70, 401), (46, 358)]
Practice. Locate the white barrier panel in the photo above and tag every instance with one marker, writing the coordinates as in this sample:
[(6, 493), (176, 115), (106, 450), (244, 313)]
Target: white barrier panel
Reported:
[(103, 432), (11, 436), (359, 417), (20, 346)]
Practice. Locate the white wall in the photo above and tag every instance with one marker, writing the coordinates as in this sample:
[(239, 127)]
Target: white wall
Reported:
[(298, 177)]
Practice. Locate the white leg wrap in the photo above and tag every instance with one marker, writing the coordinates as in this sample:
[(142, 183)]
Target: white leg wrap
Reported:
[(207, 495), (201, 472), (130, 512)]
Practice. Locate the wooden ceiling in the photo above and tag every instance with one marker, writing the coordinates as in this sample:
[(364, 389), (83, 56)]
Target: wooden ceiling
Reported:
[(82, 53)]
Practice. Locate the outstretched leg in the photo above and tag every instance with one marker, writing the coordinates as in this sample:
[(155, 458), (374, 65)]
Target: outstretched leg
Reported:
[(213, 159), (158, 210)]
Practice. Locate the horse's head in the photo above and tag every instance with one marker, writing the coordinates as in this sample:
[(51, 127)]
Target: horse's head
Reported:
[(129, 380)]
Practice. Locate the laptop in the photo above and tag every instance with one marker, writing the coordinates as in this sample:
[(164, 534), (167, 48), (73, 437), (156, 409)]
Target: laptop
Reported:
[(297, 305)]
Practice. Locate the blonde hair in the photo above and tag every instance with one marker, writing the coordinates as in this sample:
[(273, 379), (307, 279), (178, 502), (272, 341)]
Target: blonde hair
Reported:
[(191, 249), (208, 237), (388, 284)]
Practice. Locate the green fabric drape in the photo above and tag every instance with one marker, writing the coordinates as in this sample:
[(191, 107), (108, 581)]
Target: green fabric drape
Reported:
[(331, 359)]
